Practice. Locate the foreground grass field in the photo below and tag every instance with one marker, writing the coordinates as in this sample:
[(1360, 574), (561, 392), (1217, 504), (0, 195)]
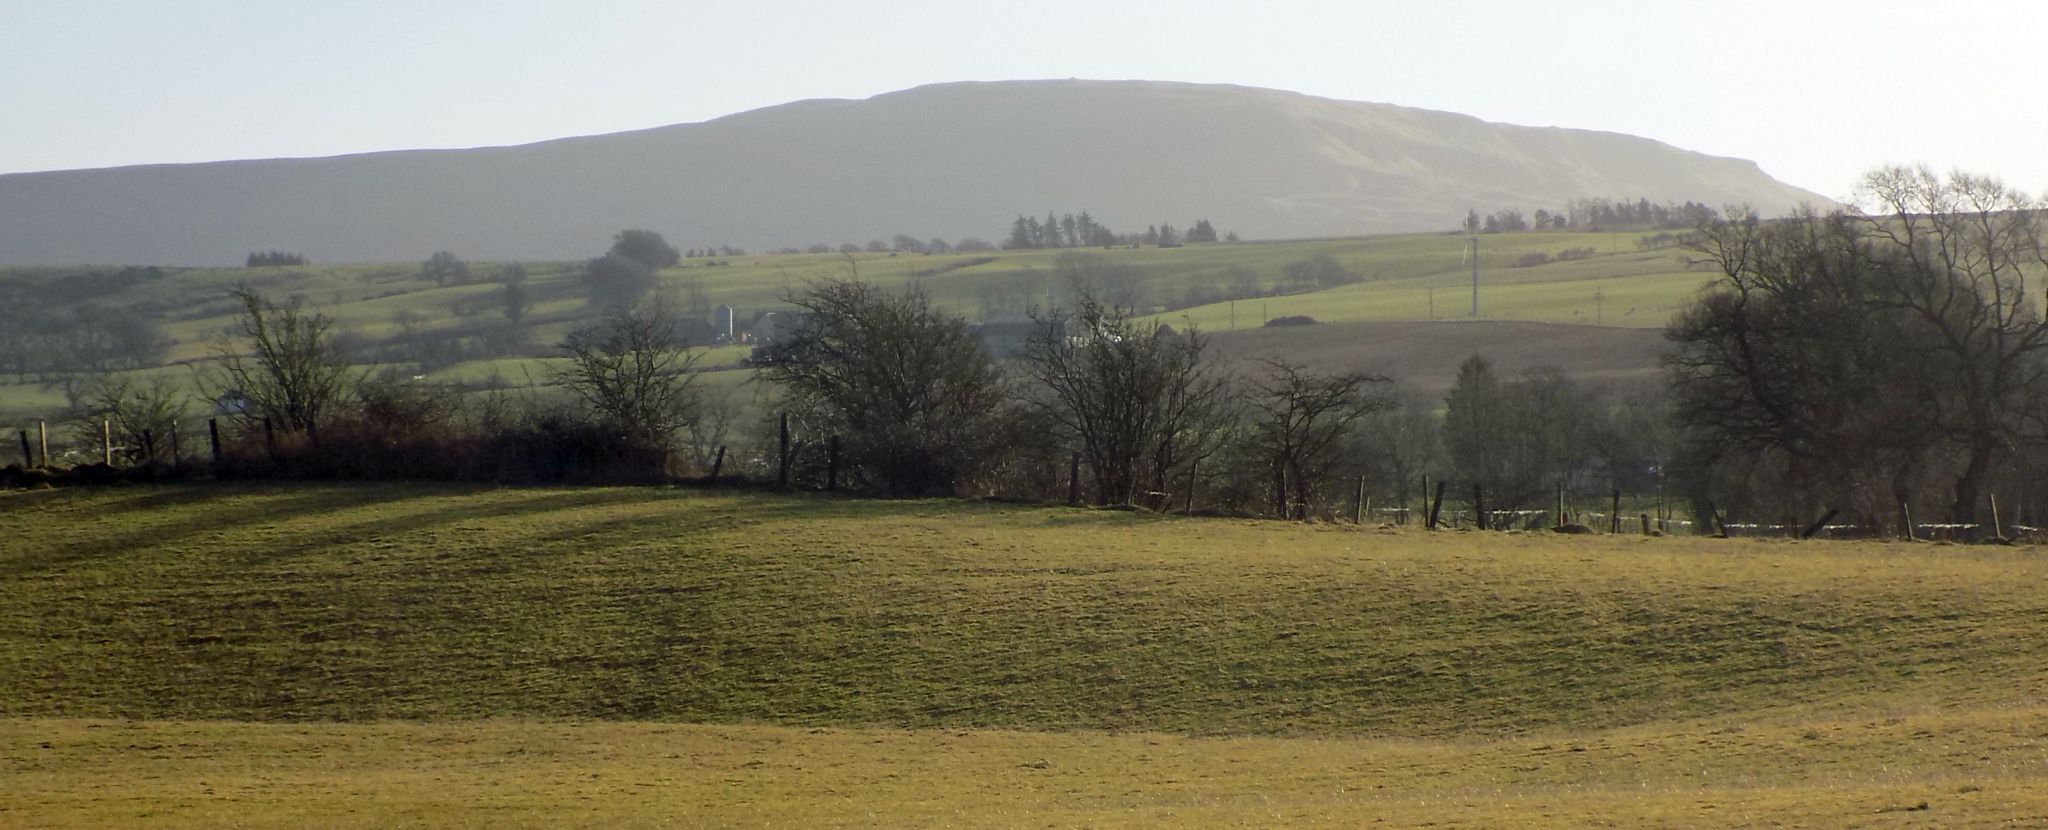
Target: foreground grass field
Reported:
[(682, 651), (1898, 770)]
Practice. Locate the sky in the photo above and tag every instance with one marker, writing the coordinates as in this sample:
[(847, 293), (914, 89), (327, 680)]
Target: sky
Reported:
[(1815, 91)]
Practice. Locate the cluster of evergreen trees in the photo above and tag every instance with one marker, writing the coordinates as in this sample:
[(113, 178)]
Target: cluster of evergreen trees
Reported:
[(1059, 232), (1593, 215), (1083, 231), (1027, 233), (265, 259)]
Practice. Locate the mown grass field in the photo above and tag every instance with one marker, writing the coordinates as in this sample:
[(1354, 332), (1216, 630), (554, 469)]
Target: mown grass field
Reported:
[(442, 655), (1406, 277), (1912, 769)]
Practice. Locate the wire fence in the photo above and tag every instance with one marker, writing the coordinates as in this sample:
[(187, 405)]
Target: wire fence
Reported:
[(100, 453)]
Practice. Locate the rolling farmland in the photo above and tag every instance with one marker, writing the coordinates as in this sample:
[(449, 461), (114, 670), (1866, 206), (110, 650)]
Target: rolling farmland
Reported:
[(435, 655)]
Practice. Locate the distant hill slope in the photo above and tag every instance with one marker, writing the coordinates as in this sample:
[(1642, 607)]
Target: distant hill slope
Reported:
[(1425, 356), (948, 160)]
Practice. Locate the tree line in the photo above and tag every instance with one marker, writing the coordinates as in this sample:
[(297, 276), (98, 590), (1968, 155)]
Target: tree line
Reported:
[(1887, 365), (1888, 361), (1593, 215), (54, 330), (272, 259), (1084, 231)]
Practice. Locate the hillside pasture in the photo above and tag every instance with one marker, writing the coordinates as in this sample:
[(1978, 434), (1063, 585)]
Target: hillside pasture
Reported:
[(1412, 277), (365, 602), (453, 656), (1424, 357)]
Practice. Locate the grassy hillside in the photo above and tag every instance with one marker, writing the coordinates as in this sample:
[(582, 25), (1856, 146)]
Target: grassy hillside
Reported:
[(355, 603), (628, 657), (1415, 277), (1424, 357)]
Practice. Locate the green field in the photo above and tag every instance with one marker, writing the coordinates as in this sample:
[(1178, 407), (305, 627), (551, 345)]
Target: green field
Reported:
[(442, 655), (1406, 277)]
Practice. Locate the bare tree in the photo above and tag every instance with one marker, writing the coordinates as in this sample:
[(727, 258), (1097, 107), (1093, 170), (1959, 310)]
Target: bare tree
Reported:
[(617, 281), (635, 371), (1958, 251), (444, 267), (284, 365), (1401, 444), (1316, 273), (1868, 357), (717, 414), (905, 385), (1519, 439), (139, 415), (1301, 418), (1140, 400)]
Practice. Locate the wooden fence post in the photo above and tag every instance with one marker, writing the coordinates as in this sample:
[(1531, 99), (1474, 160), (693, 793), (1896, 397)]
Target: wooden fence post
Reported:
[(213, 437), (1422, 510), (1478, 508), (1358, 508), (1615, 514), (1906, 512), (1819, 526), (1074, 480), (717, 464), (1997, 527), (782, 469), (1560, 506), (107, 441), (1192, 465), (270, 438), (831, 463), (28, 459), (1644, 518), (43, 442), (1436, 508)]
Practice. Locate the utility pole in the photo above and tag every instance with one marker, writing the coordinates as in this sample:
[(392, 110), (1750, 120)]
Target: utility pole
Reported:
[(1473, 242)]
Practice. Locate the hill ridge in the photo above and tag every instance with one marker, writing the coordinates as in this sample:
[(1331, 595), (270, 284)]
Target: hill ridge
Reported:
[(946, 160)]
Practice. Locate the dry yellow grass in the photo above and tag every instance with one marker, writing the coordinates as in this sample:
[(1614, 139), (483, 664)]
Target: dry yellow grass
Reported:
[(1980, 769)]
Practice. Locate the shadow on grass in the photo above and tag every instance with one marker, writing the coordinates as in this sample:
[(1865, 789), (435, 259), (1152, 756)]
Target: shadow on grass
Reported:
[(174, 516), (224, 508), (754, 510), (450, 518), (164, 517)]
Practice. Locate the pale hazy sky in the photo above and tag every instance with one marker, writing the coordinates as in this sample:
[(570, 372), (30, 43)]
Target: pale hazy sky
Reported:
[(1815, 92)]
